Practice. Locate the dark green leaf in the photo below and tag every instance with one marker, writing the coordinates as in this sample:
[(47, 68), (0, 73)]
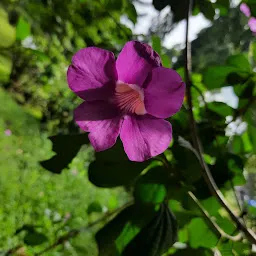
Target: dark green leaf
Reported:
[(113, 168), (112, 4), (116, 235), (253, 51), (35, 238), (252, 135), (159, 5), (193, 252), (66, 148), (25, 227), (157, 237), (221, 109), (207, 9), (187, 160), (250, 115), (215, 77), (94, 207), (240, 62), (237, 78), (237, 145), (131, 12)]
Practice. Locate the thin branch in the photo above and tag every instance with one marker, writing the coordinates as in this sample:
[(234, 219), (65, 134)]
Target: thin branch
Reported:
[(206, 173), (74, 232), (215, 226), (200, 93)]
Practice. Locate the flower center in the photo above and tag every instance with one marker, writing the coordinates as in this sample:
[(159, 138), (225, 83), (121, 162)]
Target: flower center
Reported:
[(130, 98)]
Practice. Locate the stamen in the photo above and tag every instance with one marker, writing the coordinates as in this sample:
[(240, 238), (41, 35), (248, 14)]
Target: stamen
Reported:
[(130, 99)]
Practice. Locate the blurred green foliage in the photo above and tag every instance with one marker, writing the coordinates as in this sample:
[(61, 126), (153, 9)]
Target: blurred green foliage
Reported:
[(35, 201), (38, 39)]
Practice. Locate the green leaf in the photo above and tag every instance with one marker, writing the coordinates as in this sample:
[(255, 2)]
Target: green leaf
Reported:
[(250, 115), (150, 187), (221, 108), (156, 44), (212, 206), (166, 61), (22, 29), (66, 148), (193, 252), (112, 4), (113, 168), (226, 249), (7, 32), (5, 67), (239, 61), (201, 235), (116, 235), (94, 207), (187, 160), (131, 12), (252, 51), (35, 238), (237, 145), (159, 5), (252, 135), (215, 77), (207, 9), (155, 238), (183, 216)]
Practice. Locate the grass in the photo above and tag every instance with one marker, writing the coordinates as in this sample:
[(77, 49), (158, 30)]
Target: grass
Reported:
[(30, 195)]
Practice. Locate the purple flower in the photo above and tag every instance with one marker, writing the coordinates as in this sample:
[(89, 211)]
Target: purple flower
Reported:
[(252, 24), (245, 9), (8, 132), (129, 97)]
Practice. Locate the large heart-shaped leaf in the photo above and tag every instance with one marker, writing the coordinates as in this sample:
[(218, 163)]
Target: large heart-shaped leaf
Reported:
[(66, 148), (113, 168)]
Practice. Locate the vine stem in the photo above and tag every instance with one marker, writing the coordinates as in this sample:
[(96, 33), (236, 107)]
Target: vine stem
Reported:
[(218, 230), (206, 173)]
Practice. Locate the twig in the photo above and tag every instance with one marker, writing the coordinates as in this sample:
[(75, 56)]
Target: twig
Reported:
[(206, 173), (216, 227), (200, 93), (73, 233)]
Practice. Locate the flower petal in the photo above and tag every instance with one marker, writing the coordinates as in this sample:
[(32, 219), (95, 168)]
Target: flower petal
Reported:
[(135, 62), (103, 122), (245, 9), (144, 137), (92, 74), (164, 93), (252, 24)]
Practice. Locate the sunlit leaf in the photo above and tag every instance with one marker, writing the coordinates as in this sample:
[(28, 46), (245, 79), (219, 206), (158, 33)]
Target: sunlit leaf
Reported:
[(150, 187), (7, 32), (22, 29), (201, 234)]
